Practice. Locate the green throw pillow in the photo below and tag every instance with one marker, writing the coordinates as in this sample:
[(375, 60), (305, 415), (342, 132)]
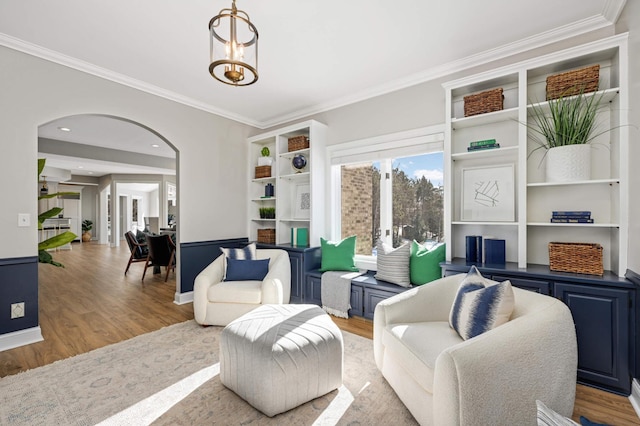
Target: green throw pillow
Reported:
[(338, 256), (425, 264)]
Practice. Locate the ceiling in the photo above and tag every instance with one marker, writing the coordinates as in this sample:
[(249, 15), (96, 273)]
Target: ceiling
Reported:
[(313, 55)]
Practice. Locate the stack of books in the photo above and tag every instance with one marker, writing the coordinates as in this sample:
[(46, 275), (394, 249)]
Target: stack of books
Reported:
[(571, 217), (485, 144)]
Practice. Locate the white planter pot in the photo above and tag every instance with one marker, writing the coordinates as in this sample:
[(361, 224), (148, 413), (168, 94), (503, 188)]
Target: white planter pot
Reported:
[(569, 163), (265, 161)]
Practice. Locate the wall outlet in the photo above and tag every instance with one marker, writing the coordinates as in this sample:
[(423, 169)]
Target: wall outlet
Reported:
[(24, 219), (17, 310)]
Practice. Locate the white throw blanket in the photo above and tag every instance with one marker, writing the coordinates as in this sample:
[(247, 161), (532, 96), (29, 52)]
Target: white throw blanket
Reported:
[(335, 291)]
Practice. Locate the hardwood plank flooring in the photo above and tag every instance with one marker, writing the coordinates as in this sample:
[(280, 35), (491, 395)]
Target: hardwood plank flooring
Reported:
[(91, 303)]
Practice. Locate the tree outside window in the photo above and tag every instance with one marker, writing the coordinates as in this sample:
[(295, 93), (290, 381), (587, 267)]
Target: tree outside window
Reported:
[(416, 201)]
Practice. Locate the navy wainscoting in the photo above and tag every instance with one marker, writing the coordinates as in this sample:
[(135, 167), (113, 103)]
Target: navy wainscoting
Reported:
[(634, 277), (194, 257), (18, 283)]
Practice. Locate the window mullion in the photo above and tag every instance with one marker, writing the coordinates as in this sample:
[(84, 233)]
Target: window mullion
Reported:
[(386, 201)]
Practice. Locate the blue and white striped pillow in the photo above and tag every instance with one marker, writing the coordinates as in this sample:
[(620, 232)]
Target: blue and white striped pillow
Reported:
[(480, 305), (393, 264), (245, 253)]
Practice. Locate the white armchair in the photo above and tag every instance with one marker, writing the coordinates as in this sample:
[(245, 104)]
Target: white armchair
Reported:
[(217, 302), (494, 378)]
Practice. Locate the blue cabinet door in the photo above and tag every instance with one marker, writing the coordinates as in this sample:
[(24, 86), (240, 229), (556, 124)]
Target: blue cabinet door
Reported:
[(356, 302), (371, 298), (297, 278), (312, 291), (601, 316), (539, 286)]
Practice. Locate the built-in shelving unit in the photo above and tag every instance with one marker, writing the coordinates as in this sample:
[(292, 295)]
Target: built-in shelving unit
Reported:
[(605, 194), (290, 184)]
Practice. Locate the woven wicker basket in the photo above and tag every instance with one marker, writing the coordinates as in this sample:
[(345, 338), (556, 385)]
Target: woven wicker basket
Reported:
[(298, 142), (581, 258), (263, 172), (267, 236), (583, 80), (483, 102)]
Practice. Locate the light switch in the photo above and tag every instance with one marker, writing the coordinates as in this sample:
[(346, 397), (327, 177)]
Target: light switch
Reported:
[(24, 219)]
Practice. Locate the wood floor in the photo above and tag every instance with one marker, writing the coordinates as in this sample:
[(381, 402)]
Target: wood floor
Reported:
[(91, 303)]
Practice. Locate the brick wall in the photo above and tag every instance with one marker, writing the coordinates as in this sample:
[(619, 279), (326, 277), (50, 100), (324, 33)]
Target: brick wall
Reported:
[(357, 205)]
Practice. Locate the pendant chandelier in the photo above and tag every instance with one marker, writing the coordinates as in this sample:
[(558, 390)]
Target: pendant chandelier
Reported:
[(234, 47), (45, 189)]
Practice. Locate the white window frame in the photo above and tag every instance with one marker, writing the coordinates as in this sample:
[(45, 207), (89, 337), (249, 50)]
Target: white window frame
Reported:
[(420, 141)]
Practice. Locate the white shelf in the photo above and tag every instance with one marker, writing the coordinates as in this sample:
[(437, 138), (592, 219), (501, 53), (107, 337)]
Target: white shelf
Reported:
[(288, 185), (266, 179), (580, 182), (607, 96), (291, 154), (606, 195), (484, 119), (573, 225), (483, 153), (296, 176), (485, 223)]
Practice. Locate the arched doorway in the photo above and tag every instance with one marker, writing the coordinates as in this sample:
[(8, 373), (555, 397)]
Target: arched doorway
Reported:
[(112, 162)]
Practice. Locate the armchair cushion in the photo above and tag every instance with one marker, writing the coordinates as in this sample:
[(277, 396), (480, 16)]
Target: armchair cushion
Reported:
[(141, 238), (480, 305), (246, 270), (418, 345), (236, 292)]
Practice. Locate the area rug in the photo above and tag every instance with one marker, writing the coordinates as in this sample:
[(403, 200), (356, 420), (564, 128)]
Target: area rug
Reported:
[(170, 377)]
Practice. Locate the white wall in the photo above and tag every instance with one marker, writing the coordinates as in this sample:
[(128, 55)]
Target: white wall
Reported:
[(35, 91)]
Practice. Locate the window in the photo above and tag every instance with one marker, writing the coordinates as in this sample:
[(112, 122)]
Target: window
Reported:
[(397, 200), (134, 210), (389, 189)]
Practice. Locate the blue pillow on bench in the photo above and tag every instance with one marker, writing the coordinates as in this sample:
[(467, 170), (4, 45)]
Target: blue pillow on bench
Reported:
[(246, 270)]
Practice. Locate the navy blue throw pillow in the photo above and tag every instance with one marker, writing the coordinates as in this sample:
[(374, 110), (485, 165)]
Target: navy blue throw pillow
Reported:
[(246, 270), (586, 422)]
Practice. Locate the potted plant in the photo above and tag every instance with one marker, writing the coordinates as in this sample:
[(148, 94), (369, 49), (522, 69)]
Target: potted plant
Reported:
[(564, 130), (87, 226), (270, 212), (265, 159), (59, 239)]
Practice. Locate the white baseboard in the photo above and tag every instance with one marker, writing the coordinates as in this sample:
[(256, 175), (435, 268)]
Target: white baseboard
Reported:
[(182, 298), (634, 398), (20, 338)]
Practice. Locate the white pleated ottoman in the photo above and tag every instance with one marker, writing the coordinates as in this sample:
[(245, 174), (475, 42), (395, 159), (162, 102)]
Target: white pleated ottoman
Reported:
[(277, 357)]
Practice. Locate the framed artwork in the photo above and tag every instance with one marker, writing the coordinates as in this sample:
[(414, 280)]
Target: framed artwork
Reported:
[(488, 194), (302, 207)]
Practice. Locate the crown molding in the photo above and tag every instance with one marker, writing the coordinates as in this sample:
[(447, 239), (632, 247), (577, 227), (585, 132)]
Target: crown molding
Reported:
[(79, 65), (610, 14), (558, 34), (612, 10)]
